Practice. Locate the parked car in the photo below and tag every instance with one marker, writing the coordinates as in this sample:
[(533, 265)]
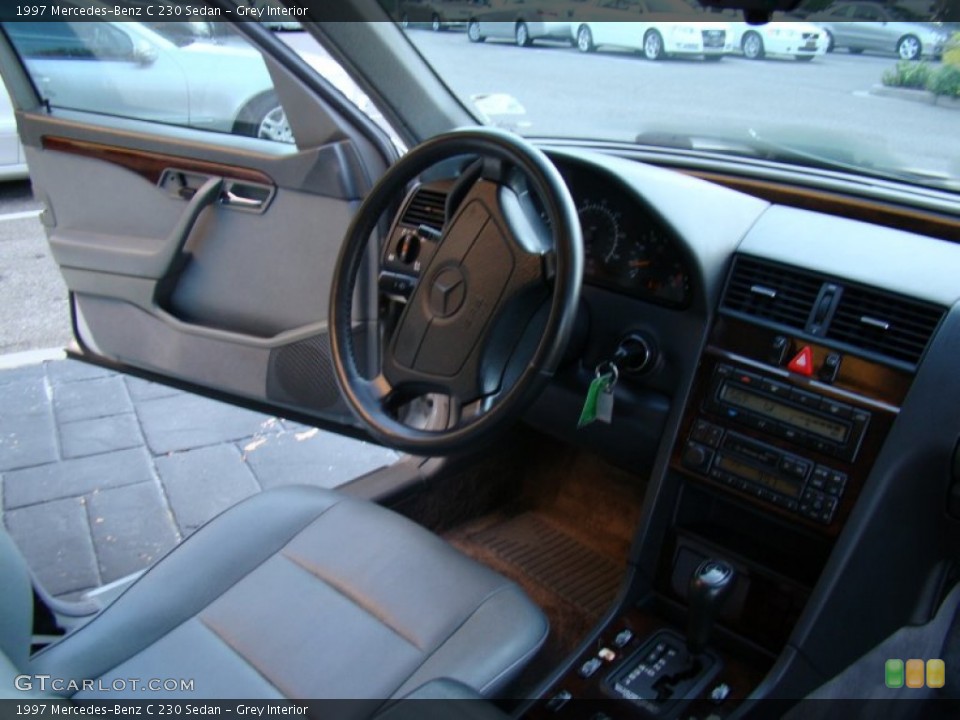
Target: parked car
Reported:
[(437, 14), (185, 85), (859, 26), (656, 28), (13, 166), (794, 38), (523, 21)]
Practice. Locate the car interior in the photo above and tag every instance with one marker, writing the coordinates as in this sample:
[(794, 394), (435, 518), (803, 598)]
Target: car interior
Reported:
[(682, 434)]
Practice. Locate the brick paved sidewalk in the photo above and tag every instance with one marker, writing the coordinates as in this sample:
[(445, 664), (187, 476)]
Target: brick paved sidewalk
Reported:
[(101, 473)]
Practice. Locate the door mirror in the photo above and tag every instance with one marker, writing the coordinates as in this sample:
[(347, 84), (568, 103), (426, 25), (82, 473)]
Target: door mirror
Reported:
[(143, 53)]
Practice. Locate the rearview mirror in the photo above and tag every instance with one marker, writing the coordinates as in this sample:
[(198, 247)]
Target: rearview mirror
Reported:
[(753, 10)]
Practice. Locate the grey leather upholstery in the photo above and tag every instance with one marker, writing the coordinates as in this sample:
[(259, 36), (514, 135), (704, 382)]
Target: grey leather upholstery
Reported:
[(304, 593)]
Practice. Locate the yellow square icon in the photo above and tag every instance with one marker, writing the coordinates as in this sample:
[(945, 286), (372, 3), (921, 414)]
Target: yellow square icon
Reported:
[(914, 674), (936, 673)]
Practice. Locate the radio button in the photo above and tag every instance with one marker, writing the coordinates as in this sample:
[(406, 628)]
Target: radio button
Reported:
[(707, 433), (806, 399), (836, 409), (775, 388), (820, 478), (836, 483), (829, 510), (724, 370), (795, 467), (788, 433)]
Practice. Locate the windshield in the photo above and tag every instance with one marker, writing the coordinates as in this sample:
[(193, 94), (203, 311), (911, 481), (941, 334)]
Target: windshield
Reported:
[(874, 98)]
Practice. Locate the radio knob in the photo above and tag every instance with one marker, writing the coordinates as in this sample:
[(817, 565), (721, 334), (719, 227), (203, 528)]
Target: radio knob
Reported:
[(696, 456)]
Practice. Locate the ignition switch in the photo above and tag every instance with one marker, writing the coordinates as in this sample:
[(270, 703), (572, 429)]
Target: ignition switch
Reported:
[(636, 354)]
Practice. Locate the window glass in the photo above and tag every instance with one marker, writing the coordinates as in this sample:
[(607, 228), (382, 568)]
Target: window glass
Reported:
[(200, 75), (865, 12)]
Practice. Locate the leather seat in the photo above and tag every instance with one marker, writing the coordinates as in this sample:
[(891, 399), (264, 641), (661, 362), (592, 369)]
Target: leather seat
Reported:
[(297, 593)]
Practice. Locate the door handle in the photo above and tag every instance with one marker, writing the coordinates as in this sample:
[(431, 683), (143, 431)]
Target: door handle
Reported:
[(230, 198), (251, 197)]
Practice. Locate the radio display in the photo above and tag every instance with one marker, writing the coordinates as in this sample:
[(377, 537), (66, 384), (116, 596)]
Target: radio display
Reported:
[(743, 398), (748, 472)]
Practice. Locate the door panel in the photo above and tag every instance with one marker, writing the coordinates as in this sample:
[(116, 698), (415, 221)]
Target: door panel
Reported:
[(205, 256)]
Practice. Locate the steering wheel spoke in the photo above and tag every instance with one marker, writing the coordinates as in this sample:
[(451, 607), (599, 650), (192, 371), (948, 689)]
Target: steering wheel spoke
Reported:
[(495, 265)]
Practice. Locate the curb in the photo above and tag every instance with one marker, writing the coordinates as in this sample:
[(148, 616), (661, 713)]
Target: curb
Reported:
[(924, 97), (30, 357)]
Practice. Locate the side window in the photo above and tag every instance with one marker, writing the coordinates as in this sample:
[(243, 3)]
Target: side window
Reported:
[(841, 12), (866, 13), (188, 74)]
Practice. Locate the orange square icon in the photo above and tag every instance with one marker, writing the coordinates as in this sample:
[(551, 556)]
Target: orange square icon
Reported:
[(936, 673), (915, 673)]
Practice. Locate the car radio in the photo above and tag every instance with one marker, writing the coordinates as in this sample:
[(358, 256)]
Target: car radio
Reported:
[(775, 408), (718, 447)]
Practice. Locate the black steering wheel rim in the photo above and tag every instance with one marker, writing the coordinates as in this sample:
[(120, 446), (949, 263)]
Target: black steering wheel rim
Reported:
[(364, 396)]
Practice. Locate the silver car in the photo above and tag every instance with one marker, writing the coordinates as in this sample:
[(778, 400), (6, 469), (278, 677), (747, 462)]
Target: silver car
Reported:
[(185, 86), (522, 21), (860, 26), (13, 165)]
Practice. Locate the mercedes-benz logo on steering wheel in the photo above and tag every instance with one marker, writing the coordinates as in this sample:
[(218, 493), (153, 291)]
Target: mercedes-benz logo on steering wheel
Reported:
[(447, 292)]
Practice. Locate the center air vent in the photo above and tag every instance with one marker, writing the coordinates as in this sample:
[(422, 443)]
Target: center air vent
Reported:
[(785, 296), (426, 207), (885, 324)]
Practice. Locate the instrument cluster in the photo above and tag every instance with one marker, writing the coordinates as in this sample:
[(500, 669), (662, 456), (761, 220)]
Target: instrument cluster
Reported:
[(626, 247)]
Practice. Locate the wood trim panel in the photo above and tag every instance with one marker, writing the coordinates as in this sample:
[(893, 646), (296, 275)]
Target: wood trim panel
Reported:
[(878, 213), (151, 165)]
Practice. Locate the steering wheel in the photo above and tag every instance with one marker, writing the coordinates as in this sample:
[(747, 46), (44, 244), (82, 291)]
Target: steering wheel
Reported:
[(493, 307)]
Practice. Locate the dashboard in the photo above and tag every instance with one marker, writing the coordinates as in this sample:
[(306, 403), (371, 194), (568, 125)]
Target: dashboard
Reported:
[(798, 418)]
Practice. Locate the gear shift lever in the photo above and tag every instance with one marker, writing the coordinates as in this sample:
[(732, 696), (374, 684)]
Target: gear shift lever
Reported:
[(709, 587)]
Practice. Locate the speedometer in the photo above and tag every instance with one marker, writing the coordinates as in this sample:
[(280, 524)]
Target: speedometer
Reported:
[(603, 237)]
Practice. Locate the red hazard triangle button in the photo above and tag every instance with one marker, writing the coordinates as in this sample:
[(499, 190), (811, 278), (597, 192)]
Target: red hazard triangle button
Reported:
[(802, 364)]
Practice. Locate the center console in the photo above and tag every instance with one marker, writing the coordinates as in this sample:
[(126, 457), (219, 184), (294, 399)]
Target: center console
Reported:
[(777, 440)]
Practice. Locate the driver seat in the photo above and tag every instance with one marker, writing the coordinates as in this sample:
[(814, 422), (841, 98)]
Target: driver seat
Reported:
[(298, 593)]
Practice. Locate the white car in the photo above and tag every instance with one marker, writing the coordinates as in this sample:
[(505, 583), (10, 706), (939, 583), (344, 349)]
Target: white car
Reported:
[(650, 26), (797, 39), (13, 166)]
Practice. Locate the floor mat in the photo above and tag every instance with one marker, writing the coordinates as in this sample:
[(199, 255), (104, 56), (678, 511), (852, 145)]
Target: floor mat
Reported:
[(560, 564), (572, 583)]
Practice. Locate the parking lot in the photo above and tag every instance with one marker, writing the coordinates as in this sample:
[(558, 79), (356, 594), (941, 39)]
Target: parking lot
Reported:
[(829, 100)]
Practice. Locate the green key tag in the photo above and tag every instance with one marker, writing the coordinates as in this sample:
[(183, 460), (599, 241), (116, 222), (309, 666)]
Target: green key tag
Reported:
[(600, 384)]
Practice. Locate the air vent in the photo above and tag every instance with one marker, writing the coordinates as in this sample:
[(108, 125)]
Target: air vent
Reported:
[(884, 324), (427, 207), (785, 296)]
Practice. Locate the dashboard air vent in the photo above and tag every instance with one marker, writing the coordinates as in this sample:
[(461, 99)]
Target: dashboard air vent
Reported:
[(427, 207), (885, 324), (774, 293)]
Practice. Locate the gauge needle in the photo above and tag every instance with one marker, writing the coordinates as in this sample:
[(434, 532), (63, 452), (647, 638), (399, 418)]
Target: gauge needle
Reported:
[(639, 263)]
